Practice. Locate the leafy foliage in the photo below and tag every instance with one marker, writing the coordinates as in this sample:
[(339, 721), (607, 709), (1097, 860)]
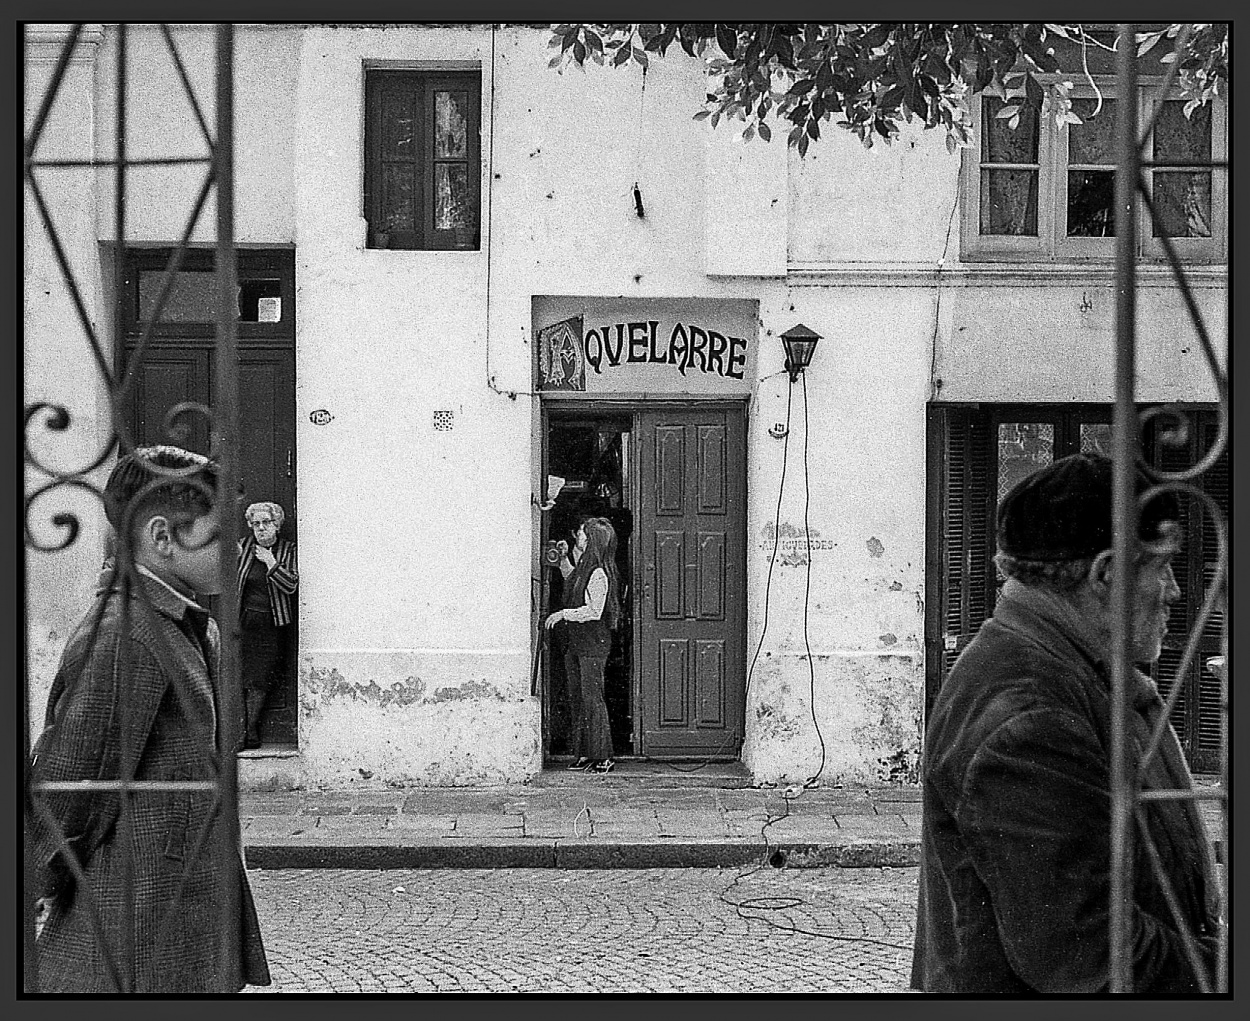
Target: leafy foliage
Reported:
[(873, 78)]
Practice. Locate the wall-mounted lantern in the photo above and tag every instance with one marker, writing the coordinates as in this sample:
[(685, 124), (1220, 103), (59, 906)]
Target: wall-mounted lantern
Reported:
[(799, 342)]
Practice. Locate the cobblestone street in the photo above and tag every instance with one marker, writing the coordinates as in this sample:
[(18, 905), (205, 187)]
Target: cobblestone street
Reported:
[(586, 931)]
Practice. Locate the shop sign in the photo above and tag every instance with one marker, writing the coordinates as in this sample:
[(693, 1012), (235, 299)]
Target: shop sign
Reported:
[(664, 345)]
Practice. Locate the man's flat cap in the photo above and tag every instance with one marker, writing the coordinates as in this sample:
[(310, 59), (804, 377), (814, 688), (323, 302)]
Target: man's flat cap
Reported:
[(1063, 511)]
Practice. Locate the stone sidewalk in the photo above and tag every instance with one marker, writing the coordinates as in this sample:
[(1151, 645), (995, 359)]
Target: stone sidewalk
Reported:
[(638, 817)]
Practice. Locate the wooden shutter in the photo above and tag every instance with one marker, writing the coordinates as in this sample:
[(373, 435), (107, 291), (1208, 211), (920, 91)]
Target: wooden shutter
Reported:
[(1198, 715), (1210, 712), (962, 533)]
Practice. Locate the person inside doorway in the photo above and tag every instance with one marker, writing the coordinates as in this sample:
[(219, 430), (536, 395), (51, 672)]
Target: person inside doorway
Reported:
[(592, 612), (267, 580)]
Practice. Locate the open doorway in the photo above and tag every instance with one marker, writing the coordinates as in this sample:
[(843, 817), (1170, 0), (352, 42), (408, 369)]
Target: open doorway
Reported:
[(592, 454)]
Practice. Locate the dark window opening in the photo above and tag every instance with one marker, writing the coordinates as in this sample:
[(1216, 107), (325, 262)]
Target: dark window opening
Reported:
[(422, 187), (265, 294)]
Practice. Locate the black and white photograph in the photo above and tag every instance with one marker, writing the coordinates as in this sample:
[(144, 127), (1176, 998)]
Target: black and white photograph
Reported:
[(533, 509)]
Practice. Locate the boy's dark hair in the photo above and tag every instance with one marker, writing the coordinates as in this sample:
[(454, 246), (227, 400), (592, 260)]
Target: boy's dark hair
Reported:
[(185, 486)]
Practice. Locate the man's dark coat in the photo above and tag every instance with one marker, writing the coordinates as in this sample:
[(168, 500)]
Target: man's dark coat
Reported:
[(1015, 857), (167, 661)]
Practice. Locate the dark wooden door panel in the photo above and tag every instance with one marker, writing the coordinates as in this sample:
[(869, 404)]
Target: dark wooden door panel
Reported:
[(165, 378), (691, 614), (267, 430), (177, 371)]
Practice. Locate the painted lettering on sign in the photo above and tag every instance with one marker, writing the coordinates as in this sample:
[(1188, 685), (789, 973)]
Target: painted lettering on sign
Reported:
[(687, 348)]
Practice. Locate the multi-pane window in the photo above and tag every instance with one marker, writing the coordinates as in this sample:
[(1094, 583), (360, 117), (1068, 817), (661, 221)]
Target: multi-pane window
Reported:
[(1041, 192), (423, 159)]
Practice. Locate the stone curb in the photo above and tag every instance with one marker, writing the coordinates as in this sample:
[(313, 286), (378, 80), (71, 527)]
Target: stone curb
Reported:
[(529, 854)]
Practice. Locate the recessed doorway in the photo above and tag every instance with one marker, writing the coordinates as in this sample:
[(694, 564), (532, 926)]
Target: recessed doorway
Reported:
[(671, 477)]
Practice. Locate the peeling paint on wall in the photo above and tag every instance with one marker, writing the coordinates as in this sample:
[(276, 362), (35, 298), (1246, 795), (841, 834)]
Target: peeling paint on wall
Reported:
[(889, 638), (318, 684), (875, 548), (469, 689), (792, 543), (893, 739)]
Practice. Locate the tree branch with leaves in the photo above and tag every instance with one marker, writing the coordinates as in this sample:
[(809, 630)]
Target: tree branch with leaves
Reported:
[(872, 79)]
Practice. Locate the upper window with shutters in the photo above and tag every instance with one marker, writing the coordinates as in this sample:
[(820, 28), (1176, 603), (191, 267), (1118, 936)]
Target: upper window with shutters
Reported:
[(422, 187), (1040, 192)]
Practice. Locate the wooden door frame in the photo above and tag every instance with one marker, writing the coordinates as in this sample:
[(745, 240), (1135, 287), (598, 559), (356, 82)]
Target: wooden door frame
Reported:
[(631, 405)]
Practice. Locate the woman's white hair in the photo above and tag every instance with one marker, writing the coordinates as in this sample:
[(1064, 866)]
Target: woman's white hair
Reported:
[(275, 512)]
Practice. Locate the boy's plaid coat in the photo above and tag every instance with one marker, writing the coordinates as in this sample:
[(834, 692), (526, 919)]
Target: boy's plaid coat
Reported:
[(170, 659)]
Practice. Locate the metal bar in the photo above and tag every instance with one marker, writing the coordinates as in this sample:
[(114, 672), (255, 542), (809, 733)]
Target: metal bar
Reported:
[(227, 416), (186, 84), (125, 825), (1124, 506), (1221, 958), (155, 161), (54, 87), (1165, 87), (165, 289), (1214, 794), (1188, 943), (79, 786)]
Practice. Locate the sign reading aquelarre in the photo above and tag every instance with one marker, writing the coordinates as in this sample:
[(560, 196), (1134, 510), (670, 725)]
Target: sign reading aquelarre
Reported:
[(658, 345)]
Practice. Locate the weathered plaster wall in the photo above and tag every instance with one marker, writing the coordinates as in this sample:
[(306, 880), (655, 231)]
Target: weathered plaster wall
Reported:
[(416, 544), (57, 365), (162, 122), (1057, 343), (890, 203), (866, 391)]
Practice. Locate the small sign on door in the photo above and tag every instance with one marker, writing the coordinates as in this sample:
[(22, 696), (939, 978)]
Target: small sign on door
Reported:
[(269, 310)]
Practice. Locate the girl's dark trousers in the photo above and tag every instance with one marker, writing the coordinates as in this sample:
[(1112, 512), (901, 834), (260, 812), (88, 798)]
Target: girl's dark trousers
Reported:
[(592, 733)]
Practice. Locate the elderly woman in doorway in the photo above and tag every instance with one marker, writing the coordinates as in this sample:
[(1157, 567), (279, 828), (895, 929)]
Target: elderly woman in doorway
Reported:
[(592, 610), (267, 580)]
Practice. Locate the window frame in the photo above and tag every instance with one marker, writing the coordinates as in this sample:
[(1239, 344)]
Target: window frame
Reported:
[(418, 87), (250, 263), (1052, 243)]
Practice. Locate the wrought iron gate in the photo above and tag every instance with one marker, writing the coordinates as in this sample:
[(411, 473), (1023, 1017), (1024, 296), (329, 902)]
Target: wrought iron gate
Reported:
[(46, 481), (1128, 800)]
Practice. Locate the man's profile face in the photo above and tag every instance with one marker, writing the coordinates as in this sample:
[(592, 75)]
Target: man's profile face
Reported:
[(1155, 593)]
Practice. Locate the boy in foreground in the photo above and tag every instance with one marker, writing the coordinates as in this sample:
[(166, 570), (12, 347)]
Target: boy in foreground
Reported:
[(137, 682)]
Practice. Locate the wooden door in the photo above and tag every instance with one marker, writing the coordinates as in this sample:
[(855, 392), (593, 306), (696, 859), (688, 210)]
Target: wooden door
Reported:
[(172, 374), (175, 372), (690, 542)]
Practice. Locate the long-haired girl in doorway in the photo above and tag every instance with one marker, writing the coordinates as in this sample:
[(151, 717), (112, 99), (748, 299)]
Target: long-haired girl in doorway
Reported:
[(592, 611)]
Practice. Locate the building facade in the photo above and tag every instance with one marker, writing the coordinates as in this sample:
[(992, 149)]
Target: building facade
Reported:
[(480, 300)]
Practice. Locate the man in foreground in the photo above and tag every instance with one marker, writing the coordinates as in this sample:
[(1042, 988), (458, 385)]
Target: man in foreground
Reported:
[(140, 686), (1016, 845)]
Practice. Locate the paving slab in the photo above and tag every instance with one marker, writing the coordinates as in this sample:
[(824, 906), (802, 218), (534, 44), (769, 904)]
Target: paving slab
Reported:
[(470, 824), (693, 822)]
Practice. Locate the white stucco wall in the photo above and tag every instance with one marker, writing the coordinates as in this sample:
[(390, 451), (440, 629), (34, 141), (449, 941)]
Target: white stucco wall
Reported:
[(416, 544), (57, 364), (162, 123)]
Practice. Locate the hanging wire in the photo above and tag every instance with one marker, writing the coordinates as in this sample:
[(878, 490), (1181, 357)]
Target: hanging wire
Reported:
[(772, 560)]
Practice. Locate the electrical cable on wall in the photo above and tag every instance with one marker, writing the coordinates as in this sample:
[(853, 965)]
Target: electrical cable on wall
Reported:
[(637, 192), (807, 594), (934, 384)]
